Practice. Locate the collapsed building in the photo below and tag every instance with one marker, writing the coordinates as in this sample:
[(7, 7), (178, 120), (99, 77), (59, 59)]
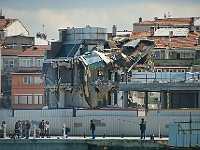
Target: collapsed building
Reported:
[(83, 68)]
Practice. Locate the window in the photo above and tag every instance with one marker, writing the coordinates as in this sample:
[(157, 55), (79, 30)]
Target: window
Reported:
[(23, 99), (27, 80), (37, 98), (40, 62), (26, 62), (37, 80), (9, 63), (12, 46), (25, 46)]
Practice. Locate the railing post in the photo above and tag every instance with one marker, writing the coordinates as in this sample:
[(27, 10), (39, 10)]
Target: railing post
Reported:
[(34, 131), (63, 131), (4, 131), (146, 78)]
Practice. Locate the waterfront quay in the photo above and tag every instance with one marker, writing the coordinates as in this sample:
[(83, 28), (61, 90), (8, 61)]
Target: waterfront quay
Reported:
[(83, 143)]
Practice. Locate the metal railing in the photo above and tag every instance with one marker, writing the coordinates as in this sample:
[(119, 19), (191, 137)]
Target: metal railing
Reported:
[(163, 77)]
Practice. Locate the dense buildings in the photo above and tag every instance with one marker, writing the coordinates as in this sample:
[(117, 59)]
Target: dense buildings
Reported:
[(85, 66)]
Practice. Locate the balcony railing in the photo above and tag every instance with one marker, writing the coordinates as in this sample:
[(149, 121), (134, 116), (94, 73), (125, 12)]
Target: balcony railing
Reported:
[(164, 77)]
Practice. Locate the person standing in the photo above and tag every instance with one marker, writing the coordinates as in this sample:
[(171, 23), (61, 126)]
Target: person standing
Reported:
[(143, 128), (3, 125), (17, 129), (92, 127), (42, 128), (27, 129), (23, 129), (47, 129)]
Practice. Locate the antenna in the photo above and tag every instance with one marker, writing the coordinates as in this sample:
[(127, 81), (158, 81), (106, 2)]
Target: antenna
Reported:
[(43, 28), (169, 14)]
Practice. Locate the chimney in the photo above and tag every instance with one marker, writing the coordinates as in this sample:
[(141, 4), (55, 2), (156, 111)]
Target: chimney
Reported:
[(1, 15), (152, 31), (114, 30), (45, 54), (192, 28), (140, 19)]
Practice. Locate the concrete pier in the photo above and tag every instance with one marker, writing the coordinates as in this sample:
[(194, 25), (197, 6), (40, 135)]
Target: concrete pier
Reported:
[(81, 143)]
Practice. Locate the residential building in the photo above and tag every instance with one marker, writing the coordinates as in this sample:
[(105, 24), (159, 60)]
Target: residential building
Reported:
[(13, 46), (83, 66), (58, 67), (27, 83), (177, 42), (13, 39), (177, 50)]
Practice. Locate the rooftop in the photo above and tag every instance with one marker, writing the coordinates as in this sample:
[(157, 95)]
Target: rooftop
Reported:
[(5, 22), (167, 21), (37, 50), (189, 41), (10, 52)]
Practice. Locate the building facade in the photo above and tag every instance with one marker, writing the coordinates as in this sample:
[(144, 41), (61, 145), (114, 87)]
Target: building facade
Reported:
[(27, 83)]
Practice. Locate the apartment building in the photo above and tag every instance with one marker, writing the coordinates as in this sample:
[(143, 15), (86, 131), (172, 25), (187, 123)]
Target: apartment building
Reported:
[(27, 83)]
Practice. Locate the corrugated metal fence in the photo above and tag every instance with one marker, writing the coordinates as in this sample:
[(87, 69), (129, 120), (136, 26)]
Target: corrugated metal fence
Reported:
[(184, 133), (111, 122)]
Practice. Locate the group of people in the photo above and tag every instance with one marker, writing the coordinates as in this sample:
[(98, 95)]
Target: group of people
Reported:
[(142, 125), (44, 129), (22, 129)]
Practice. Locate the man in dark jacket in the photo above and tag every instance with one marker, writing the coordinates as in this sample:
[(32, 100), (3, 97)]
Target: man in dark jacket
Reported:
[(27, 129), (42, 127), (143, 128), (92, 127), (17, 129)]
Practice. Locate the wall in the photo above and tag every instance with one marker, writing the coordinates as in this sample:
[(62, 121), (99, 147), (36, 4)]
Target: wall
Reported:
[(16, 28), (141, 27), (18, 87), (111, 122)]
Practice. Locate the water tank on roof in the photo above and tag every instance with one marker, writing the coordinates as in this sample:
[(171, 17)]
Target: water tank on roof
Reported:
[(93, 33)]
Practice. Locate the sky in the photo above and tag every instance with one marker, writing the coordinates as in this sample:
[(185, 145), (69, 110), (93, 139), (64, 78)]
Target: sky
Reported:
[(51, 15)]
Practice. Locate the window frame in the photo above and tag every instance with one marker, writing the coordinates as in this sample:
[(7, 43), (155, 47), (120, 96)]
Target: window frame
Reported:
[(27, 80), (38, 79), (26, 62), (39, 62), (18, 99), (38, 98)]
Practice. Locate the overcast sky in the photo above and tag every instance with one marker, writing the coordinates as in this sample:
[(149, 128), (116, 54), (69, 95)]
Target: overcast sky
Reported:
[(55, 14)]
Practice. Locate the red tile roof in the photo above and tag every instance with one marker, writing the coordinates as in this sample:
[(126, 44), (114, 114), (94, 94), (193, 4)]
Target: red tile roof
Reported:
[(5, 22), (176, 42), (167, 21), (10, 52), (37, 50), (139, 34)]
